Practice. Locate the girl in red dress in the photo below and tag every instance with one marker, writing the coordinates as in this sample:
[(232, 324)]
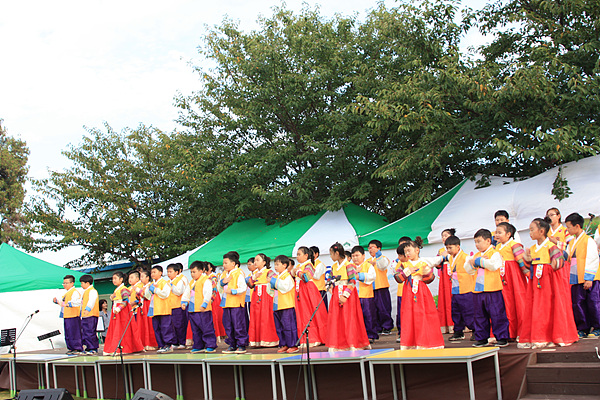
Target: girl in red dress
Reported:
[(307, 299), (144, 322), (119, 318), (345, 323), (419, 318), (262, 331), (217, 311), (548, 319), (444, 304)]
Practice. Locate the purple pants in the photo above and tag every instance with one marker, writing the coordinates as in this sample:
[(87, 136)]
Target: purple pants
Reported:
[(234, 321), (203, 330), (369, 315), (324, 296), (586, 306), (383, 305), (462, 311), (89, 338), (286, 327), (489, 307), (73, 333), (398, 319), (163, 330), (179, 318)]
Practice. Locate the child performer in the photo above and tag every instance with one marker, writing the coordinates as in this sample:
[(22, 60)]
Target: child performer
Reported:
[(308, 298), (178, 299), (144, 321), (488, 301), (397, 270), (444, 303), (366, 278), (248, 300), (262, 331), (513, 273), (90, 311), (345, 324), (200, 314), (584, 278), (381, 294), (283, 307), (319, 277), (462, 289), (120, 317), (420, 322), (160, 310), (502, 216), (546, 297), (233, 287), (69, 311), (217, 311)]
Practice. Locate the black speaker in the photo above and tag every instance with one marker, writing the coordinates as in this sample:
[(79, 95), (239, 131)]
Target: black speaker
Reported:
[(145, 394), (45, 394)]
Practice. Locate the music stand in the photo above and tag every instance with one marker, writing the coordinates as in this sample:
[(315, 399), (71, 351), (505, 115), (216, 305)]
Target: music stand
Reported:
[(8, 337), (49, 336)]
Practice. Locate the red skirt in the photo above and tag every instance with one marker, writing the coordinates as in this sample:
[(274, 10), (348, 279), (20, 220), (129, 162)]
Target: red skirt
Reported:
[(145, 326), (419, 319), (345, 324), (307, 299), (444, 304), (131, 341), (564, 330), (514, 292), (217, 313), (262, 325)]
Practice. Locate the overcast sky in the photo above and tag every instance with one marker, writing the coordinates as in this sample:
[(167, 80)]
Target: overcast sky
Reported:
[(70, 64)]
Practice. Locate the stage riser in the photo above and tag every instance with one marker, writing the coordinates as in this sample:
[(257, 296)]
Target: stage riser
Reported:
[(564, 389), (564, 357), (557, 373)]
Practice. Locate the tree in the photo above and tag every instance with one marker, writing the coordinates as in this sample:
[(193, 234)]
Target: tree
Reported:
[(124, 198), (13, 175)]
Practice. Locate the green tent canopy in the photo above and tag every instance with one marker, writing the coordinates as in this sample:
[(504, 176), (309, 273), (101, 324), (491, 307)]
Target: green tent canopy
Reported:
[(254, 236), (23, 272), (416, 224)]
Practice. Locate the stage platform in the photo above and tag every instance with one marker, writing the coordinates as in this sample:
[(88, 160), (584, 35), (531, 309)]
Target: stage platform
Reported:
[(457, 372)]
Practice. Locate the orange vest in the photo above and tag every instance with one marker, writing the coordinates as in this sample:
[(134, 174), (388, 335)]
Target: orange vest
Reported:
[(462, 281), (160, 306), (340, 270), (365, 291), (577, 251), (175, 300), (288, 299), (381, 279), (197, 297), (95, 308), (70, 312), (233, 300), (321, 281), (486, 280)]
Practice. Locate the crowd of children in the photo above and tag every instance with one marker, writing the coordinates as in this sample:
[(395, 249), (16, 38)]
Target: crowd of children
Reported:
[(544, 295)]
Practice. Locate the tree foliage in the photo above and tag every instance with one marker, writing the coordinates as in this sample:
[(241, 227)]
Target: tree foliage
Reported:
[(13, 175)]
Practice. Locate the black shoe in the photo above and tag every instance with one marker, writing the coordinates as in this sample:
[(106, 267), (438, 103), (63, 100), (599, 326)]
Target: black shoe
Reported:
[(457, 336), (481, 343), (502, 343)]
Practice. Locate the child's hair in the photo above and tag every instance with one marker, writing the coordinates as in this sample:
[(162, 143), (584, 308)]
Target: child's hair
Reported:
[(543, 225), (451, 231), (376, 243), (575, 219), (119, 274), (557, 211), (292, 263), (484, 234), (144, 272), (402, 247), (308, 252), (175, 267), (501, 213), (452, 241), (70, 278), (283, 260), (347, 254), (134, 272), (87, 279), (250, 260), (360, 249), (315, 250), (210, 266), (102, 301), (404, 239), (337, 248), (197, 265), (266, 259), (510, 228), (158, 268), (233, 256), (418, 242)]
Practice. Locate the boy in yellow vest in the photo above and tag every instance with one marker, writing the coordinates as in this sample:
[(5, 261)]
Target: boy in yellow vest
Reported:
[(179, 298), (381, 294), (232, 284), (463, 285), (366, 278), (584, 278), (200, 309), (487, 294), (90, 311), (160, 310), (284, 302), (70, 305)]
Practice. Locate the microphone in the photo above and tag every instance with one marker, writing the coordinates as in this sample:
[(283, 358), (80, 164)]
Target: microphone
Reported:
[(35, 312), (333, 279)]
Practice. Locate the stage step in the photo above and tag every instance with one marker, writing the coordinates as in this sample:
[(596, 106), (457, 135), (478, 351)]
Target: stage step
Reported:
[(566, 357), (558, 397), (563, 378)]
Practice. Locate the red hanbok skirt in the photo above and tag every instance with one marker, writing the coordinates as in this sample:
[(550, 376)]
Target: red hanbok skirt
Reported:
[(307, 299), (444, 304), (419, 318), (145, 326), (514, 292), (345, 325), (131, 341), (217, 313), (262, 325)]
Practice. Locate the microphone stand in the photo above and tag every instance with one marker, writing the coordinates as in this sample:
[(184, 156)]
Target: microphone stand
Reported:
[(120, 349), (305, 334), (14, 348)]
